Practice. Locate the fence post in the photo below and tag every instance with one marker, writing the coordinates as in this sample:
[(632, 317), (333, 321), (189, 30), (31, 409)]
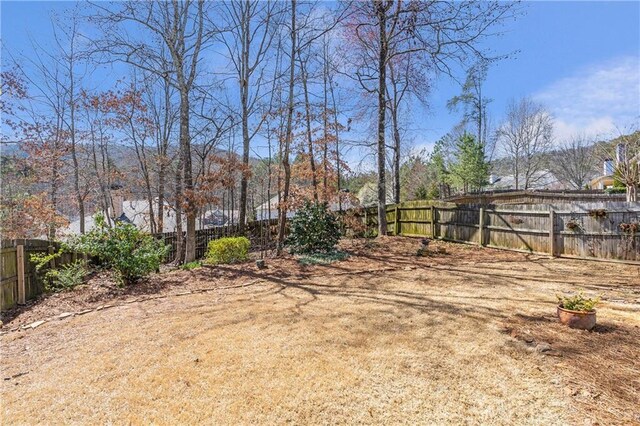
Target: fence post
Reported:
[(481, 225), (52, 250), (433, 234), (396, 224), (22, 292), (552, 237)]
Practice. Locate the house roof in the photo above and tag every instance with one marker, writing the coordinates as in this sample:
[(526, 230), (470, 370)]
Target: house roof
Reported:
[(136, 212), (544, 179)]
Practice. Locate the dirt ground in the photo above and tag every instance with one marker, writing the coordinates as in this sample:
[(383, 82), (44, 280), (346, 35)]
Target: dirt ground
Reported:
[(384, 337)]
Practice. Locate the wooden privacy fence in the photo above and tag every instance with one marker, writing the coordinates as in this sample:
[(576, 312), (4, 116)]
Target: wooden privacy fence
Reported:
[(577, 230), (19, 280), (261, 233)]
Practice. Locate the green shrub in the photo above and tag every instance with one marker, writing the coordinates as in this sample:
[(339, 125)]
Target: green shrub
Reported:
[(578, 303), (615, 190), (191, 265), (228, 250), (314, 229), (62, 278), (130, 252), (67, 276)]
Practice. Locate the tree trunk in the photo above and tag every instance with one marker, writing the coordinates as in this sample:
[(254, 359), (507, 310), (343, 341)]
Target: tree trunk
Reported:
[(282, 217), (178, 230), (244, 99), (54, 203), (190, 202), (336, 130), (396, 156), (632, 193), (161, 177), (74, 154), (382, 94), (144, 169), (101, 181), (325, 126), (312, 161)]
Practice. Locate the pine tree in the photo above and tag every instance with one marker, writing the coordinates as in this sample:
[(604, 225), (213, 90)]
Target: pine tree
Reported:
[(470, 169)]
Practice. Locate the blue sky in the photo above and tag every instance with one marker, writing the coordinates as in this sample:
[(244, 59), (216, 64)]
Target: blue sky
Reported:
[(581, 59)]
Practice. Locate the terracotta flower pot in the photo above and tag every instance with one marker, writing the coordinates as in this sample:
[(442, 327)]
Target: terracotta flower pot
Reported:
[(577, 319)]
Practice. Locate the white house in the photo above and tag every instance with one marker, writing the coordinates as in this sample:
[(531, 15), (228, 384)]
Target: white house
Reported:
[(137, 213)]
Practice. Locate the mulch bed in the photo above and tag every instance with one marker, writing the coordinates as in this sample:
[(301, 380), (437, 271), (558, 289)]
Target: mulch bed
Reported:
[(585, 361)]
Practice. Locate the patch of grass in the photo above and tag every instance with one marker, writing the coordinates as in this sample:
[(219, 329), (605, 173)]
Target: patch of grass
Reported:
[(191, 265), (323, 258)]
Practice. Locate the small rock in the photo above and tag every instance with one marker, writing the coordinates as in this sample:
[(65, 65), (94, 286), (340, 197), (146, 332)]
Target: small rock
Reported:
[(260, 264), (1, 324), (65, 315), (528, 339), (99, 308), (36, 324), (543, 347)]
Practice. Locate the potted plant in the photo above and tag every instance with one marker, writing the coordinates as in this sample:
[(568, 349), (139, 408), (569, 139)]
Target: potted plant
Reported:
[(577, 311), (629, 228), (598, 213), (573, 224)]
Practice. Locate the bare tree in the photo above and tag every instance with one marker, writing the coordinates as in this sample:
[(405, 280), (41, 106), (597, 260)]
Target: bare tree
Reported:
[(474, 104), (303, 58), (286, 148), (169, 44), (406, 79), (525, 137), (574, 162), (247, 34), (99, 140), (37, 123), (159, 95), (443, 33), (67, 39)]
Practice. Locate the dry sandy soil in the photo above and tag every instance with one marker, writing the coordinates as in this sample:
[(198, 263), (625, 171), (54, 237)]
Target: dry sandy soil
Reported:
[(383, 337)]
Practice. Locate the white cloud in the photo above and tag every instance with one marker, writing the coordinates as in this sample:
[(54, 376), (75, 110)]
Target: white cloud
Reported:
[(595, 101)]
